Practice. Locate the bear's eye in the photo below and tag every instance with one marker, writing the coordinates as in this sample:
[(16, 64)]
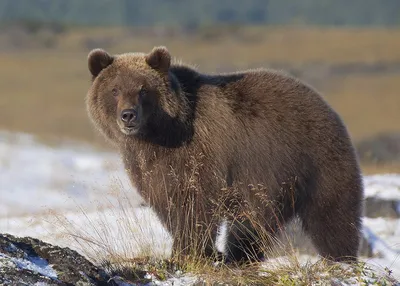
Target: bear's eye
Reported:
[(142, 92), (114, 92)]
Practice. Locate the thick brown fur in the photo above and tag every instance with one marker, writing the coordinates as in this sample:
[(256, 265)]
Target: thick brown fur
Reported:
[(229, 131)]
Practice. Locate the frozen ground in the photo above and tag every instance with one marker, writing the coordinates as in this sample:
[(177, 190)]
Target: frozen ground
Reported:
[(46, 192)]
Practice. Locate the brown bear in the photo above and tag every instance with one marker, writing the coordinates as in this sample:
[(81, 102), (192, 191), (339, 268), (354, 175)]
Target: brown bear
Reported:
[(189, 139)]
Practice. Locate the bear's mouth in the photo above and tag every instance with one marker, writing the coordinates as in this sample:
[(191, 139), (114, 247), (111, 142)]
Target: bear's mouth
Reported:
[(129, 130)]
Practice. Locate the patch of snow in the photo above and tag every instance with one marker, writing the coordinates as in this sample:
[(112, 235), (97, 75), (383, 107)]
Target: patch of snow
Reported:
[(35, 264), (11, 248), (379, 246), (35, 177), (5, 262), (174, 281), (384, 186), (385, 228), (177, 281)]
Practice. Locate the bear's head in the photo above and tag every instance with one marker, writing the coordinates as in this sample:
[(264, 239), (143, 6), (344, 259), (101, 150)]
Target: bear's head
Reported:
[(130, 91)]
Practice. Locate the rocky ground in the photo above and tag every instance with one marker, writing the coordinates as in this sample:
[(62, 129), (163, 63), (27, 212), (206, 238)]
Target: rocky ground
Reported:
[(29, 261)]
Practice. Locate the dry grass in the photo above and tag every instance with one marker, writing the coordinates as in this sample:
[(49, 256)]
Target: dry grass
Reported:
[(371, 169), (290, 271), (244, 45), (44, 94), (368, 104)]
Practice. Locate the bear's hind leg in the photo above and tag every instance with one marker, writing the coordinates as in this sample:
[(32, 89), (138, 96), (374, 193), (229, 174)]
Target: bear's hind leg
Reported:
[(334, 225)]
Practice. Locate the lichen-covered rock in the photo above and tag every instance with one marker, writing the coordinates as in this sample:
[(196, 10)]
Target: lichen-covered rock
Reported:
[(29, 261)]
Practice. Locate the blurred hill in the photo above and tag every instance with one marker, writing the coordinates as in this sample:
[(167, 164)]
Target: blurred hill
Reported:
[(193, 13)]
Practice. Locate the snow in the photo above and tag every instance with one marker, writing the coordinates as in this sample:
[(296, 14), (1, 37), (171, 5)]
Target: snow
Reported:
[(50, 192), (35, 264), (35, 177), (385, 228), (385, 186)]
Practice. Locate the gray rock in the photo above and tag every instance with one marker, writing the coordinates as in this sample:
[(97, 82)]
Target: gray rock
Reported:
[(378, 207)]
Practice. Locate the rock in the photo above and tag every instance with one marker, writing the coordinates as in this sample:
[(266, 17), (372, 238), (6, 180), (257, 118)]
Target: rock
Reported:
[(378, 207), (29, 261)]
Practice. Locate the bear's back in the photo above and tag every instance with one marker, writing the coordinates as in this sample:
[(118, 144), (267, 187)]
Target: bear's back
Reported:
[(263, 99), (265, 122)]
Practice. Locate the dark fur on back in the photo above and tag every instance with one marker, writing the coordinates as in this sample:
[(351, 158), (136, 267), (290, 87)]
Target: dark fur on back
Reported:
[(250, 127)]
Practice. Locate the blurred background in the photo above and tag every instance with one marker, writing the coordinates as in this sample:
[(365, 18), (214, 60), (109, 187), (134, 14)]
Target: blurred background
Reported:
[(349, 51)]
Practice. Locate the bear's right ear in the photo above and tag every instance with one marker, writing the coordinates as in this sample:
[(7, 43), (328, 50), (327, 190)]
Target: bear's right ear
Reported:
[(159, 59), (98, 60)]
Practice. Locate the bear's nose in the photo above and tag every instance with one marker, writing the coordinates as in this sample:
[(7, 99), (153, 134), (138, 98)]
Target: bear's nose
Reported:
[(128, 115)]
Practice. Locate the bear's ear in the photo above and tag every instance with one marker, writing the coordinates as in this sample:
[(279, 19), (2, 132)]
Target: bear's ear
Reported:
[(98, 60), (159, 59)]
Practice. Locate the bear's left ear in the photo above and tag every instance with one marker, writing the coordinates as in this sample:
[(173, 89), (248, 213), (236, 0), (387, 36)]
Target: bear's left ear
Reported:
[(98, 60), (159, 59)]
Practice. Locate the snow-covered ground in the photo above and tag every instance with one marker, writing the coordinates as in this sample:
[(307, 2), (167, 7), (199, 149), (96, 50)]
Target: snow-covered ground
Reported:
[(46, 192)]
